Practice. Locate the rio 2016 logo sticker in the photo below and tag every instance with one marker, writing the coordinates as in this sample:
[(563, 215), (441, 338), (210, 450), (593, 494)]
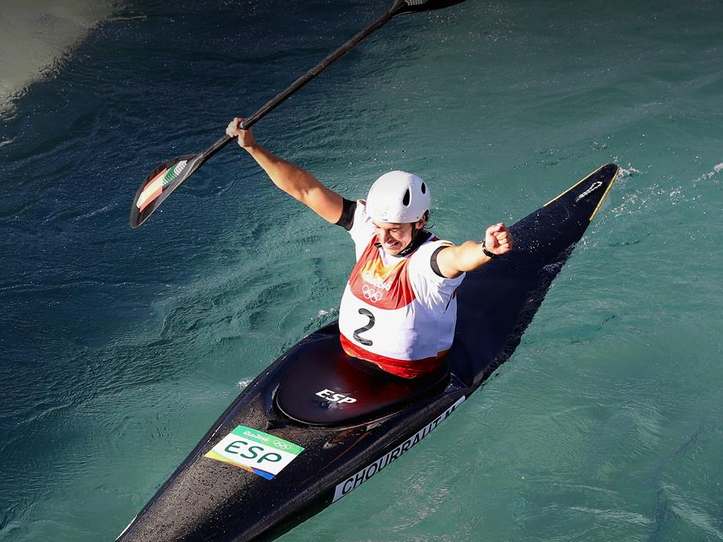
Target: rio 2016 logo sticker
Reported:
[(255, 451)]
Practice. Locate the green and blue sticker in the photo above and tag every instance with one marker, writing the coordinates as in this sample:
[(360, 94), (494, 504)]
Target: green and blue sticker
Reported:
[(255, 451)]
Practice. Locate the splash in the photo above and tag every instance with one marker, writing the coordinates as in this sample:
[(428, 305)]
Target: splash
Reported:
[(630, 171), (716, 170)]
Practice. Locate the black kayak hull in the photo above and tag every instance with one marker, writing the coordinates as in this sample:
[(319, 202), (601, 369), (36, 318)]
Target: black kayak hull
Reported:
[(210, 500)]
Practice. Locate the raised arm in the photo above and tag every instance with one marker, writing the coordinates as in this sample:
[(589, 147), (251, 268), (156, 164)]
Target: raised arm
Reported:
[(455, 260), (297, 182)]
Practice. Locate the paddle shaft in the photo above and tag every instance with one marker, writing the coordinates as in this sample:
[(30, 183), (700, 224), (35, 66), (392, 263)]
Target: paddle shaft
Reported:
[(168, 176), (300, 82)]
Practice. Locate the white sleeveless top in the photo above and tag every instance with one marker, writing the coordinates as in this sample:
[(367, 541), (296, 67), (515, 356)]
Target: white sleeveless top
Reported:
[(396, 311)]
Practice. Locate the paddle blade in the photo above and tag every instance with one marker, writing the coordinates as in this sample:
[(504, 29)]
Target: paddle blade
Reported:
[(159, 184), (412, 6)]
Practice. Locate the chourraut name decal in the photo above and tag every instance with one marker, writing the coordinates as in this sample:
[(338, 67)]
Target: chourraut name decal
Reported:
[(370, 470)]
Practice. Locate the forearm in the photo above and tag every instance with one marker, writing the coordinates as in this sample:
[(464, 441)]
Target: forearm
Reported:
[(470, 255), (297, 182), (466, 257), (293, 180)]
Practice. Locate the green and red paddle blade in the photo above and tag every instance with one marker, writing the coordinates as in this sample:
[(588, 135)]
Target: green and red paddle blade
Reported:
[(159, 184)]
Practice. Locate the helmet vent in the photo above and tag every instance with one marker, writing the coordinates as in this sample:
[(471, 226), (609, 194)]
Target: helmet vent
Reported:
[(407, 197), (424, 188)]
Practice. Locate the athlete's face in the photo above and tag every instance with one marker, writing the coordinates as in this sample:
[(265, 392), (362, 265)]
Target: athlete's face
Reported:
[(395, 237)]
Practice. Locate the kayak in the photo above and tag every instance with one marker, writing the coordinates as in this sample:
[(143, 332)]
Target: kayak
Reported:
[(317, 424)]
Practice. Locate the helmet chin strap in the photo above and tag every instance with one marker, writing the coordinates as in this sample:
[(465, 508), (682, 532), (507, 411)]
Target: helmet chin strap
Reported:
[(419, 236), (417, 239)]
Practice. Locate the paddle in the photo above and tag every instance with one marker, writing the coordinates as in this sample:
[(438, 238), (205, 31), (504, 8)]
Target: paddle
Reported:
[(168, 176)]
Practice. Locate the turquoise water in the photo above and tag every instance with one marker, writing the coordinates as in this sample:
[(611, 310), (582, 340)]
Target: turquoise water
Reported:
[(120, 348)]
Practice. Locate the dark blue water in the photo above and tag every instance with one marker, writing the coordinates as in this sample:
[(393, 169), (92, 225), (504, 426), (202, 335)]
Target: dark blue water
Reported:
[(119, 348)]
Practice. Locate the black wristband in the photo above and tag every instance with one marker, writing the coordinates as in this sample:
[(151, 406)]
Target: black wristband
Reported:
[(488, 253)]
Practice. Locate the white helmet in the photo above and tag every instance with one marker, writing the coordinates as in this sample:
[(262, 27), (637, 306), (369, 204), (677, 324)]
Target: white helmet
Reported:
[(398, 197)]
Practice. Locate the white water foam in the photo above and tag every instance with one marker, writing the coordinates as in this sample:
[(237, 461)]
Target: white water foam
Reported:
[(35, 35), (716, 170), (630, 171)]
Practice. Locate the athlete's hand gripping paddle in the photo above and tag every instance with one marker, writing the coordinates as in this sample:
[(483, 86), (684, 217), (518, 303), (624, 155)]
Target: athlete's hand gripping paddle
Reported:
[(168, 176)]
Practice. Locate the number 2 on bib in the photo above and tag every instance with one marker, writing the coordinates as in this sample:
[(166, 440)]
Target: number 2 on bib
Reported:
[(370, 324)]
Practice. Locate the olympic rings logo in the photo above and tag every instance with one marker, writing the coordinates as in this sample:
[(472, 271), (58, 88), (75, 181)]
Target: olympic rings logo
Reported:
[(371, 294)]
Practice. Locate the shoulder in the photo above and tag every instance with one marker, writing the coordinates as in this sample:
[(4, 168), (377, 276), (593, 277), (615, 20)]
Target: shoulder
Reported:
[(361, 227), (430, 246), (423, 261), (352, 213), (361, 217)]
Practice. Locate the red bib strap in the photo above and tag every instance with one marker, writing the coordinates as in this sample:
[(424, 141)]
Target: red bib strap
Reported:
[(401, 367)]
